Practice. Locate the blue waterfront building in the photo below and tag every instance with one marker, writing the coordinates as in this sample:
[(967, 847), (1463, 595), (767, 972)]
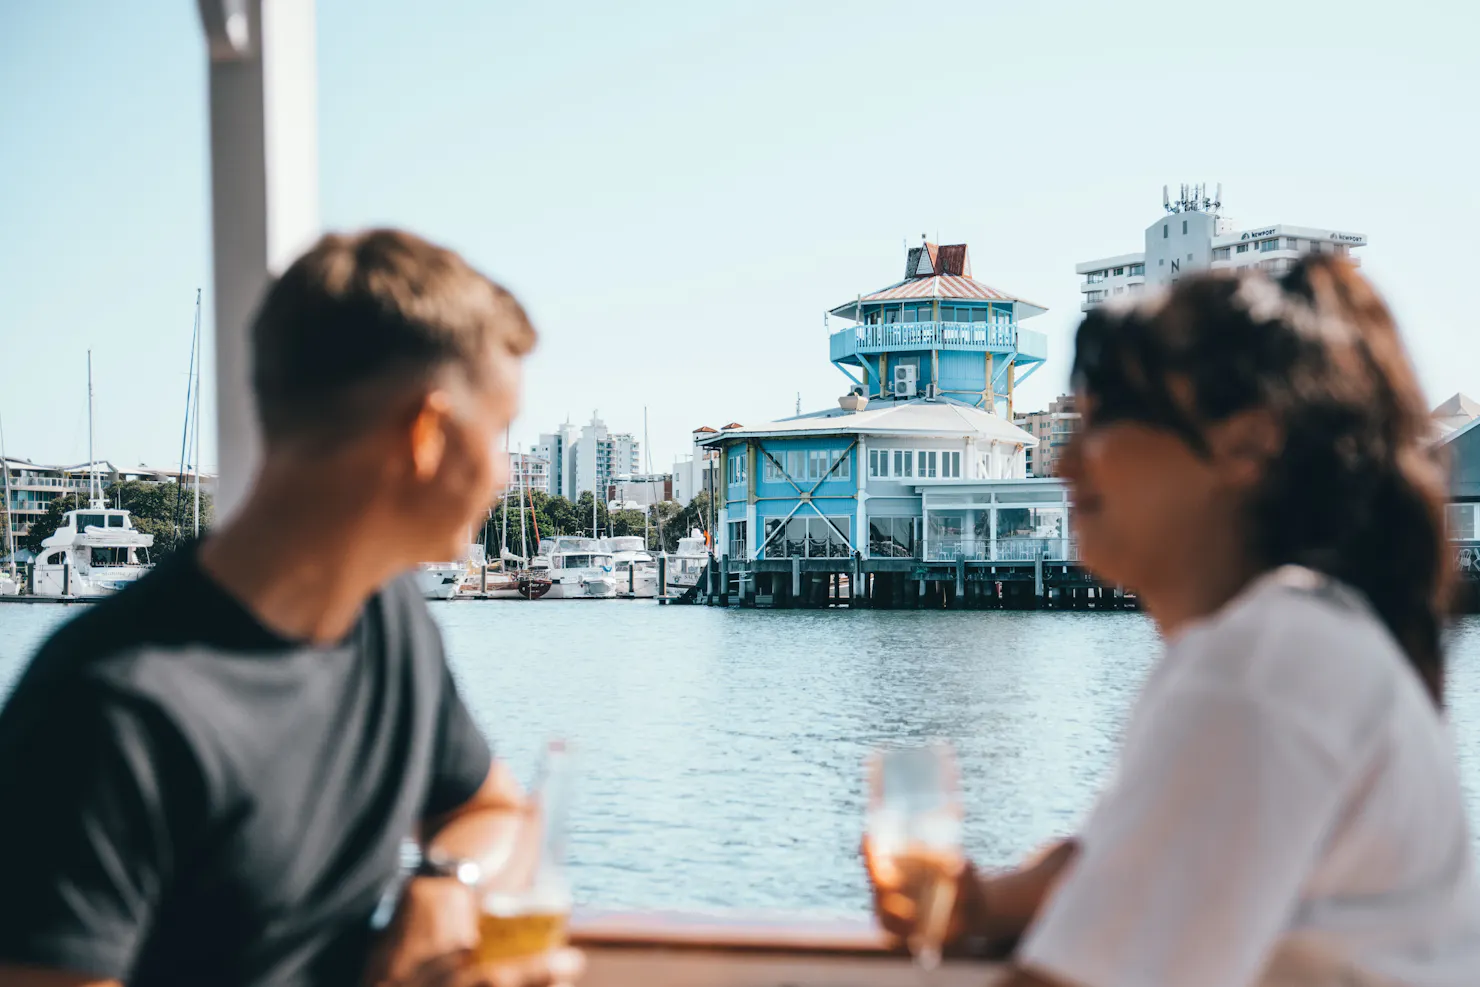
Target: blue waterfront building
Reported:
[(939, 333), (919, 462)]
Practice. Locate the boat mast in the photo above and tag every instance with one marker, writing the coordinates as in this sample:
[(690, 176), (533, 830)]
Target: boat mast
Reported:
[(9, 531), (94, 495), (523, 532), (647, 510), (503, 537), (196, 457)]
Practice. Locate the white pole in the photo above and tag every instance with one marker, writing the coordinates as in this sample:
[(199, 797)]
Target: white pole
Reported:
[(196, 457), (264, 191), (523, 534), (93, 495)]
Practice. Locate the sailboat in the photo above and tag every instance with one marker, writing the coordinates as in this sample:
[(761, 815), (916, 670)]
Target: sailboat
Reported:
[(96, 551), (10, 584)]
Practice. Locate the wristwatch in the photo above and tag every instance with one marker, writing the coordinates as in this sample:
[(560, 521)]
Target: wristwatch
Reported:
[(464, 870)]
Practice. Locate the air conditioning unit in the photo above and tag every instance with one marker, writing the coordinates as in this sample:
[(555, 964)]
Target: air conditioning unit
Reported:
[(931, 391), (905, 381)]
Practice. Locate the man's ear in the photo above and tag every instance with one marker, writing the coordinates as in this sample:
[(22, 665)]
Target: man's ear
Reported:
[(429, 434), (1245, 443)]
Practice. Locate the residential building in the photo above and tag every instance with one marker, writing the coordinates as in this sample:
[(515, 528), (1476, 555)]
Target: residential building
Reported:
[(530, 471), (585, 459), (1193, 235), (1053, 429), (33, 486), (698, 471), (558, 449), (639, 490)]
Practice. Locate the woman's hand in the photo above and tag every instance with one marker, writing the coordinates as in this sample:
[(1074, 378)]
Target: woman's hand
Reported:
[(994, 909)]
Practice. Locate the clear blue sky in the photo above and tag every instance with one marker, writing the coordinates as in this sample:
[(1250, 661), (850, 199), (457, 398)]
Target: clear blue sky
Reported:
[(679, 190)]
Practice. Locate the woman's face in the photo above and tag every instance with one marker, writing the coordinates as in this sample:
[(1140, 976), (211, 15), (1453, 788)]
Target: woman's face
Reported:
[(1143, 500)]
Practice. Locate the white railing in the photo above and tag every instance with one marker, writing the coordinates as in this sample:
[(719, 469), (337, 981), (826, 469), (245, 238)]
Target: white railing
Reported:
[(886, 336), (1007, 549)]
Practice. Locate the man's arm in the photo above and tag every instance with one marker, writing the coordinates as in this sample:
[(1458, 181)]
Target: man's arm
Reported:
[(31, 976)]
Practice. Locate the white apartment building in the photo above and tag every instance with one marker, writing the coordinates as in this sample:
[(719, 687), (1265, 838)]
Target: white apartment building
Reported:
[(530, 471), (33, 486), (586, 458), (698, 471), (1194, 235)]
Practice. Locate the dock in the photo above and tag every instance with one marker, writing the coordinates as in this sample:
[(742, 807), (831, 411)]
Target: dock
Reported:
[(905, 584)]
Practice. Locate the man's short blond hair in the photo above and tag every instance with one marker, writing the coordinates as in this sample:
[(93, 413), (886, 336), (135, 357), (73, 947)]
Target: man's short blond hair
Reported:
[(363, 314)]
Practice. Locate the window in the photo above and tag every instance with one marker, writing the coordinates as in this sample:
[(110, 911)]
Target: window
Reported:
[(115, 520), (891, 315), (808, 537), (1184, 227), (1292, 244), (1164, 233), (1242, 248), (873, 462), (1138, 270), (1314, 246), (893, 537), (1265, 246), (739, 548), (1118, 290), (1136, 289), (950, 465), (1462, 522), (770, 470), (796, 464), (735, 467), (1220, 253), (1094, 296), (1119, 271)]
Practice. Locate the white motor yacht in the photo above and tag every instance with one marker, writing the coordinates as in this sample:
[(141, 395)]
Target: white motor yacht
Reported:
[(634, 567), (440, 580), (685, 564), (95, 552), (579, 569)]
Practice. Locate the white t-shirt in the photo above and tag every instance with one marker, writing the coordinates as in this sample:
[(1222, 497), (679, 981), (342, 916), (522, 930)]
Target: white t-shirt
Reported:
[(1286, 810)]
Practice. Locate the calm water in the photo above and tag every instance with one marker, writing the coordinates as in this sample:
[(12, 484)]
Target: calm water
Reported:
[(721, 752)]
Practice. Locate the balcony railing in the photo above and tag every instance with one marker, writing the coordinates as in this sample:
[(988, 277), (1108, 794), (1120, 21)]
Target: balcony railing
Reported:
[(1008, 549), (984, 337)]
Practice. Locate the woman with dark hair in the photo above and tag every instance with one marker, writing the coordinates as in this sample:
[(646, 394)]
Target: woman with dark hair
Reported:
[(1254, 459)]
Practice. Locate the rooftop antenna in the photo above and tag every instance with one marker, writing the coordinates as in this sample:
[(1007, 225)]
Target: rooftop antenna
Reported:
[(799, 402), (1218, 198), (1166, 199)]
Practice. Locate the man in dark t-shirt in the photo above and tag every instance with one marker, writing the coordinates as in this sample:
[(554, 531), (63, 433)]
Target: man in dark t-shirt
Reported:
[(207, 779)]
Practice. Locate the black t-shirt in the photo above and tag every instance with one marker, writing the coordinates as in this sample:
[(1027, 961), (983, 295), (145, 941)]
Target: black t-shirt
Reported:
[(186, 798)]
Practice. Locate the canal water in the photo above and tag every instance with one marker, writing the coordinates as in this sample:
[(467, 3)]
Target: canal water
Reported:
[(721, 752)]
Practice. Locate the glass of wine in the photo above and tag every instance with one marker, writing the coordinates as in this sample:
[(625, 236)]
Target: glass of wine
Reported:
[(914, 838), (525, 904)]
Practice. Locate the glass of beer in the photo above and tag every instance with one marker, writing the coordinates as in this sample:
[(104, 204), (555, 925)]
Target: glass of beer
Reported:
[(914, 837), (526, 904)]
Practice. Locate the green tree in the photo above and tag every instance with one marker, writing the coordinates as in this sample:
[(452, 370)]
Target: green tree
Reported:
[(47, 526), (681, 522)]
